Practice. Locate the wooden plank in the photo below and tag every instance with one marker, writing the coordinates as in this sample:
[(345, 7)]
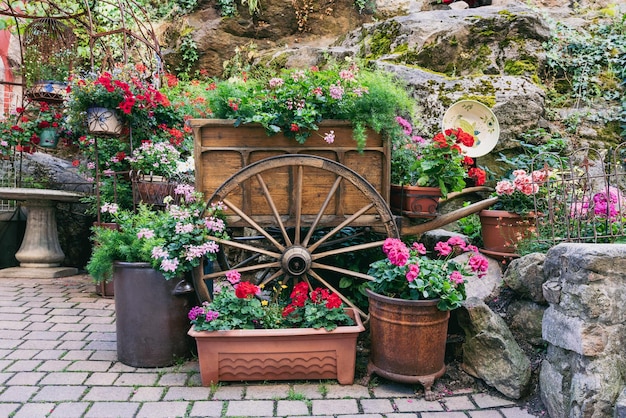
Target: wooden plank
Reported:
[(221, 150)]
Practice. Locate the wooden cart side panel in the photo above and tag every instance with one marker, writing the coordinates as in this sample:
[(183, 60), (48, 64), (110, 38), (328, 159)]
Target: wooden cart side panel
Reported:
[(221, 150)]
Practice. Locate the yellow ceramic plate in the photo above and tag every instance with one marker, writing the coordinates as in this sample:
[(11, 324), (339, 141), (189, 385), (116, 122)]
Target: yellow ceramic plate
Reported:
[(477, 119)]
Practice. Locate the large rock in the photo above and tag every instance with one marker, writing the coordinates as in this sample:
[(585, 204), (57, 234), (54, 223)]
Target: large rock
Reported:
[(490, 351), (525, 276), (525, 318)]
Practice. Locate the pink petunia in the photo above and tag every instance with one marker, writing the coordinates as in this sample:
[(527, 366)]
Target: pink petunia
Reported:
[(413, 272), (233, 276), (456, 277), (443, 248)]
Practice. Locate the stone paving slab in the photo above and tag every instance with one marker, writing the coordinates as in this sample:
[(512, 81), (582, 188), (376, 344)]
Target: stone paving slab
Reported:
[(58, 359)]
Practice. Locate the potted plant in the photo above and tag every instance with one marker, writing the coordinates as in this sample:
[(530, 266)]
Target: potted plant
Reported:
[(49, 49), (294, 101), (250, 333), (423, 171), (39, 125), (155, 166), (410, 299), (148, 256), (513, 217), (101, 103)]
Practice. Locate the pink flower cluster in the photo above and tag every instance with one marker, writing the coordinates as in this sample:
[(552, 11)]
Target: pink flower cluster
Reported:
[(523, 182), (608, 204), (399, 254)]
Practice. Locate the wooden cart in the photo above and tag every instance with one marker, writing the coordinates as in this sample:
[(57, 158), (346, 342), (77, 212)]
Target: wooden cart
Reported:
[(290, 204)]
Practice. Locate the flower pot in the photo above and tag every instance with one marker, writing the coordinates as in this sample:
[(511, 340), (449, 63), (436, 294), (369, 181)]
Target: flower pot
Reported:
[(408, 340), (502, 231), (152, 190), (103, 121), (50, 91), (48, 138), (278, 354), (151, 317), (415, 201)]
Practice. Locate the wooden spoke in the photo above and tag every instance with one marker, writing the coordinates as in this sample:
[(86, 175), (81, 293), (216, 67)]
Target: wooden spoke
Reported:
[(351, 249), (298, 208), (329, 196), (244, 246), (341, 270), (342, 225), (252, 223), (332, 289), (276, 275), (270, 202)]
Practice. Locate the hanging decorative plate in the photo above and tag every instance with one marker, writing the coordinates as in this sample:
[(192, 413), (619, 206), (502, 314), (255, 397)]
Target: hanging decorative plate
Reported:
[(477, 119)]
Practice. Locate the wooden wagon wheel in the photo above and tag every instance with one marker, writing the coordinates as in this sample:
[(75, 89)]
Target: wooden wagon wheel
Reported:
[(302, 243)]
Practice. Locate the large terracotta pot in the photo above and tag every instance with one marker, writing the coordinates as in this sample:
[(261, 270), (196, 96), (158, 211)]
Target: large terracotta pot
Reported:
[(278, 354), (408, 340), (151, 316), (415, 201), (502, 231)]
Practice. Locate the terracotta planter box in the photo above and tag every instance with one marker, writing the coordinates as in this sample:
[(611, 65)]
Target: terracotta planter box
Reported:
[(278, 354)]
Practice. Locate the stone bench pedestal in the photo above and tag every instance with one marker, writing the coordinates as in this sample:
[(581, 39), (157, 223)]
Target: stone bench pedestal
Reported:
[(40, 254)]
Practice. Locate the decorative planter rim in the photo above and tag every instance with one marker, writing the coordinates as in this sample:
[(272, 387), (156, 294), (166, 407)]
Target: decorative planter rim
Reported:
[(398, 301), (283, 332), (133, 264), (198, 123), (405, 186), (498, 213)]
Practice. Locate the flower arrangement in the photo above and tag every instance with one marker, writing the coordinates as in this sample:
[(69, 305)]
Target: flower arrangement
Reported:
[(437, 162), (173, 240), (156, 158), (294, 102), (25, 130), (407, 273), (246, 306), (144, 109), (522, 194)]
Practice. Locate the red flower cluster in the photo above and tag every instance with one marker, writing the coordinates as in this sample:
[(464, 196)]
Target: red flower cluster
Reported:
[(300, 294), (244, 290), (135, 94)]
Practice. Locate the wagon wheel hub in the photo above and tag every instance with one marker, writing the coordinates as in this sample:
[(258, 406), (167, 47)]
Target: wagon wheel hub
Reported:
[(296, 260)]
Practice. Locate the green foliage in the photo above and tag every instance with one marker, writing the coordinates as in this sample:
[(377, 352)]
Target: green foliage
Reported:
[(122, 244), (188, 53), (470, 227), (174, 240), (587, 64), (228, 8), (294, 102)]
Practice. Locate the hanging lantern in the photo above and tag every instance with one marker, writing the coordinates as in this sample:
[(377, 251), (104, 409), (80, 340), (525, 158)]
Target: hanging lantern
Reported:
[(49, 51)]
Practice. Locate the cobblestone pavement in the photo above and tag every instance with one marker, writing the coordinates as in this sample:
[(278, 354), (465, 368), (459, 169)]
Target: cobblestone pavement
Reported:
[(58, 359)]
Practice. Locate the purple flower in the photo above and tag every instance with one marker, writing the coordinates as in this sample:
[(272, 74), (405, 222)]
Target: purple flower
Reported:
[(336, 92), (195, 312)]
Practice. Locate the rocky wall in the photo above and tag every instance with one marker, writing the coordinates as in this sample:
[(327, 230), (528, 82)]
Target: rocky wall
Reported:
[(584, 372)]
